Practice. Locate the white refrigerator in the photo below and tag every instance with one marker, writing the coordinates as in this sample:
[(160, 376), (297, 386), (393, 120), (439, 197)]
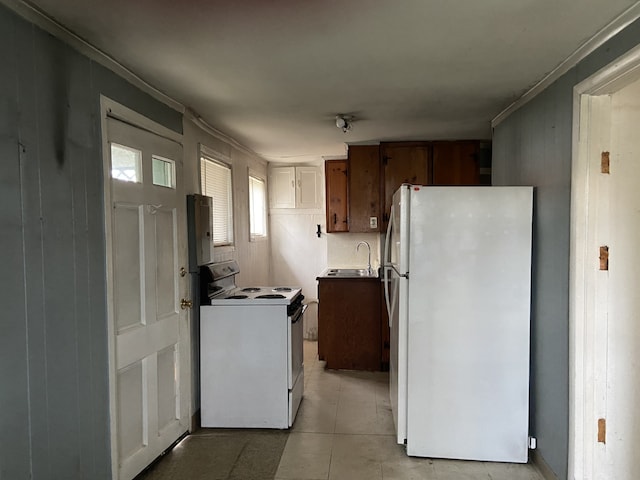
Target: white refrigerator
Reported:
[(458, 288)]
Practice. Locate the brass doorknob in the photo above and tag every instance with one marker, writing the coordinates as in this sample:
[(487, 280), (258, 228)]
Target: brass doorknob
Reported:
[(184, 304)]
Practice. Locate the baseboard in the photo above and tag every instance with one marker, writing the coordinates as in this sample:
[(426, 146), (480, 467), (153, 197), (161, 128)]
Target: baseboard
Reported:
[(539, 463), (195, 421)]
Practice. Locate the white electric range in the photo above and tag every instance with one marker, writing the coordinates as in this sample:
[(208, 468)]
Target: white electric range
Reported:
[(251, 359)]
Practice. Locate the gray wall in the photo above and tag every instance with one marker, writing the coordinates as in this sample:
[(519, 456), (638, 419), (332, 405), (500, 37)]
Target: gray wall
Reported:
[(533, 147), (54, 411)]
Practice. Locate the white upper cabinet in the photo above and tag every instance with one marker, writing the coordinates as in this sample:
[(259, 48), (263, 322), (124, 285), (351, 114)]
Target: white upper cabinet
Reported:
[(282, 187), (295, 187)]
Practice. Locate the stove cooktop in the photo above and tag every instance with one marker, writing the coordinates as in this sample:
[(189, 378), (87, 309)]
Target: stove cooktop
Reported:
[(257, 296)]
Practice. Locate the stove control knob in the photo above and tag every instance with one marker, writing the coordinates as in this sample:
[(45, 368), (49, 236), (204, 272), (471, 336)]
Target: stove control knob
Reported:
[(184, 304)]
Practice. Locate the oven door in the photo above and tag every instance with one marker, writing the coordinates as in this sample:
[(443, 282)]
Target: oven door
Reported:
[(296, 362)]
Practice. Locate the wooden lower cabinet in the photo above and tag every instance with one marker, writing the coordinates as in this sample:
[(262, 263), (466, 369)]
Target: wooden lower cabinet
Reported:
[(349, 331)]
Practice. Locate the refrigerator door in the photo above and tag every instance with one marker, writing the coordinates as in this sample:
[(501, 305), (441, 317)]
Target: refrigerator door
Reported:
[(397, 246), (468, 330)]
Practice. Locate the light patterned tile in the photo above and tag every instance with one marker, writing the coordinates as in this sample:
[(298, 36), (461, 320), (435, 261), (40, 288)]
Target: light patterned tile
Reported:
[(315, 416), (304, 466), (460, 470), (409, 468), (347, 468), (357, 420), (319, 443), (512, 471)]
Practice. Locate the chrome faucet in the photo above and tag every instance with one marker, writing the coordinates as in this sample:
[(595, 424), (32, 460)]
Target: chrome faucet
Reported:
[(369, 271)]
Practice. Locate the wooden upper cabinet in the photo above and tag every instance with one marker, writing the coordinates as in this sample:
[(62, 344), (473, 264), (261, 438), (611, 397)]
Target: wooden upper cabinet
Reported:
[(403, 162), (337, 194), (364, 188), (456, 163), (360, 201)]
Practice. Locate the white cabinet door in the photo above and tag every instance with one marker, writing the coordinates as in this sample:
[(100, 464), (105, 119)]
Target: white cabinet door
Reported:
[(282, 187), (309, 191), (295, 187)]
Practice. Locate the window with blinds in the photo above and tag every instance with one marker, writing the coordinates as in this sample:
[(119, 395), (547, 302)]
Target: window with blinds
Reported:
[(257, 208), (215, 179)]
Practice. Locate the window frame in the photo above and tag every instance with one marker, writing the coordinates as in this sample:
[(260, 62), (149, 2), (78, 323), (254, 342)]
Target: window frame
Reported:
[(206, 154), (260, 178)]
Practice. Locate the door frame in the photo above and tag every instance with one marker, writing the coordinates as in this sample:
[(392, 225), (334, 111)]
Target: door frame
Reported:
[(591, 111), (113, 109)]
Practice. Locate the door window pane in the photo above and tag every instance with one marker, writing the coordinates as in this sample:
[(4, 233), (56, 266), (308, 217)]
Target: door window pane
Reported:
[(126, 163), (164, 172)]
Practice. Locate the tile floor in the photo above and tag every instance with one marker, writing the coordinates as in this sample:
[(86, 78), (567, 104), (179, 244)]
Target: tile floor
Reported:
[(343, 431)]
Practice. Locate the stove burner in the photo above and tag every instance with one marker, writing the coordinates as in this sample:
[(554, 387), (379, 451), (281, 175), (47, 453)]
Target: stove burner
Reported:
[(236, 297), (271, 295), (282, 289), (250, 289)]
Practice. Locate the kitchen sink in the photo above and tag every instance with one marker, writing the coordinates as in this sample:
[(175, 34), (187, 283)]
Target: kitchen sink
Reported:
[(350, 272)]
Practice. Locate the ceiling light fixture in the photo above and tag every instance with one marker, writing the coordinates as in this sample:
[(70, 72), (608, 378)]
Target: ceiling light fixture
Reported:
[(343, 122)]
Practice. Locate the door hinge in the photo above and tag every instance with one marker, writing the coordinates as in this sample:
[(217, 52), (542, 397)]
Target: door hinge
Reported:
[(604, 162), (604, 258), (602, 430)]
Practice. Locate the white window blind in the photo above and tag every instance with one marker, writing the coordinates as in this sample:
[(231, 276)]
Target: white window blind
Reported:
[(257, 207), (215, 177)]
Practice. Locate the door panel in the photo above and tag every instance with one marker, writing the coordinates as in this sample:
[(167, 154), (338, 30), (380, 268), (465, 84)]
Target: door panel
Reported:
[(128, 265), (148, 248), (131, 428), (167, 399), (337, 196), (166, 262), (403, 163)]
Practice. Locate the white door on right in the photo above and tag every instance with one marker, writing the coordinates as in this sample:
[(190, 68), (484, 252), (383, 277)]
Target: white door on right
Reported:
[(618, 334)]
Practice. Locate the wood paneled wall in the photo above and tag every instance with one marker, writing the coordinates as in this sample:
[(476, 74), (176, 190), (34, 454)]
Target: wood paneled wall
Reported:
[(54, 415), (533, 146)]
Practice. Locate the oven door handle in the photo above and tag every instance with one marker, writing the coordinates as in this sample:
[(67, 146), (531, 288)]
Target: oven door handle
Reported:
[(299, 313)]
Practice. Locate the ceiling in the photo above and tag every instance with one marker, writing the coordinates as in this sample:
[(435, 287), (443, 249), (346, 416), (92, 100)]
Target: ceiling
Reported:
[(273, 74)]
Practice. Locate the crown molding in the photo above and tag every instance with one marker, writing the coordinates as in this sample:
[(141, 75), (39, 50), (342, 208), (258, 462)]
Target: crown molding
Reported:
[(600, 38), (36, 16)]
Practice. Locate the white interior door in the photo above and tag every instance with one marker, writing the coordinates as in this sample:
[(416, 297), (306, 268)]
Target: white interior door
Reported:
[(146, 235), (618, 326), (604, 291)]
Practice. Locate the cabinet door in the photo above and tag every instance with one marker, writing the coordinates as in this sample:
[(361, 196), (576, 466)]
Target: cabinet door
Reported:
[(456, 163), (282, 187), (349, 323), (337, 196), (308, 194), (406, 162), (364, 188)]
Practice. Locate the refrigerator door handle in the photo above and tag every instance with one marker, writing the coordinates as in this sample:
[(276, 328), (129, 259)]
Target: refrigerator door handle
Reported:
[(386, 295), (387, 265)]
